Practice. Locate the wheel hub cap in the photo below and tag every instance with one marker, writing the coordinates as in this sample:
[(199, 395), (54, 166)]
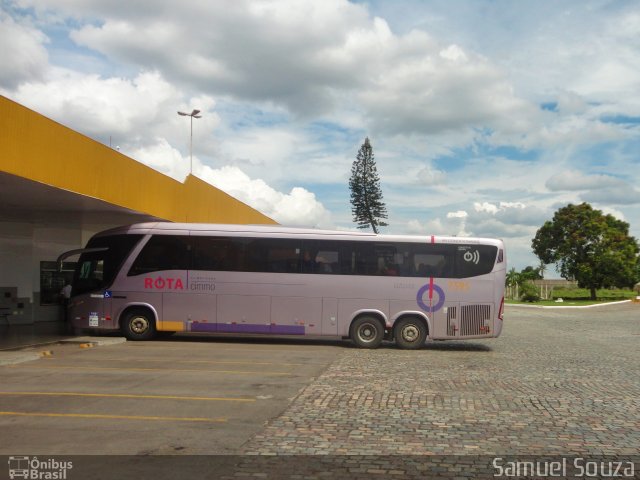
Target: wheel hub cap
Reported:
[(410, 333), (139, 325)]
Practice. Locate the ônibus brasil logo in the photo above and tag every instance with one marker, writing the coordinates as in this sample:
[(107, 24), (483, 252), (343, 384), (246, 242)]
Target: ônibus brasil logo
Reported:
[(37, 469)]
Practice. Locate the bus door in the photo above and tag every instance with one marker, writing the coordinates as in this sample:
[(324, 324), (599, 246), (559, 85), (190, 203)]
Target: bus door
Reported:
[(100, 315), (99, 302), (91, 300)]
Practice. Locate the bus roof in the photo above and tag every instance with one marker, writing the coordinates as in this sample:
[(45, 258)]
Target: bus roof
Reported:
[(277, 230), (268, 230)]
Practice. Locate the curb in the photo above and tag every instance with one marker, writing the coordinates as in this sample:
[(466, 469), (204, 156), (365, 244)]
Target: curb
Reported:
[(94, 341), (12, 357), (518, 305)]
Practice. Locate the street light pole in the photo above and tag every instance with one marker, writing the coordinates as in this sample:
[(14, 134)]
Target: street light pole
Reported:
[(193, 115)]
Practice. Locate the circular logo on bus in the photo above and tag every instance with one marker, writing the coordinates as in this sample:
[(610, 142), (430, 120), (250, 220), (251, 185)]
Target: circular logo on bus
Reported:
[(436, 301)]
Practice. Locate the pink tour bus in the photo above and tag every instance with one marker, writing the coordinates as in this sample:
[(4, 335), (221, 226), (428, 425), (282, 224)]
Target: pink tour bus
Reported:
[(170, 277)]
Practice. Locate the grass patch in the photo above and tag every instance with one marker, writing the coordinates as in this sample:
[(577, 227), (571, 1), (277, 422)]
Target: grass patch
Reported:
[(609, 295), (580, 297), (566, 303)]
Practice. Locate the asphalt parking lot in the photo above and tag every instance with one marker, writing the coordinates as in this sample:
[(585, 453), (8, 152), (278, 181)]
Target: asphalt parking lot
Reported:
[(557, 382), (185, 395)]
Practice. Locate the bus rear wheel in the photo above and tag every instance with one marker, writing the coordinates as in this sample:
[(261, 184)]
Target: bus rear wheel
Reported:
[(367, 332), (139, 325), (410, 333)]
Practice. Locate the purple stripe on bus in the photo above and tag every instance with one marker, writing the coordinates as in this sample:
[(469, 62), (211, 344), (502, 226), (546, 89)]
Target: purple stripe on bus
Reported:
[(288, 329), (243, 328), (203, 327), (248, 328)]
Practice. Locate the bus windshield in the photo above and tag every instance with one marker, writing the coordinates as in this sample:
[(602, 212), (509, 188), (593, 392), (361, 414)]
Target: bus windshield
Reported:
[(96, 270)]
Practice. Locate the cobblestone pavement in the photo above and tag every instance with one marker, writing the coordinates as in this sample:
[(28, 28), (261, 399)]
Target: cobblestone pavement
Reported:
[(557, 382)]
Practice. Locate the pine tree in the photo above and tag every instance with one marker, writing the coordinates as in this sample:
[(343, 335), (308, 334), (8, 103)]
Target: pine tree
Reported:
[(367, 206)]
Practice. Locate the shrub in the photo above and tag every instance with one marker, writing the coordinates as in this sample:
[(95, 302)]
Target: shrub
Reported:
[(529, 292)]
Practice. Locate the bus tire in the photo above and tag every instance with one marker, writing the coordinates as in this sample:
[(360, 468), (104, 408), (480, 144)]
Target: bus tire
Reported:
[(367, 332), (410, 333), (138, 324)]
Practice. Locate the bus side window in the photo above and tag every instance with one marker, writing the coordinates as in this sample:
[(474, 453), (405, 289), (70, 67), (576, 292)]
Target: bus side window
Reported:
[(386, 257), (216, 253), (321, 256), (365, 259), (433, 261), (327, 261), (162, 252)]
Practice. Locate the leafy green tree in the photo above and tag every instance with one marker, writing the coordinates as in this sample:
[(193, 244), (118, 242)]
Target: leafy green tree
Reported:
[(367, 206), (588, 246), (531, 273), (513, 278), (518, 278)]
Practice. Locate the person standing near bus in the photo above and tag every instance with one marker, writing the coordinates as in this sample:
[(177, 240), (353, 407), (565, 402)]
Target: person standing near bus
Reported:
[(65, 295)]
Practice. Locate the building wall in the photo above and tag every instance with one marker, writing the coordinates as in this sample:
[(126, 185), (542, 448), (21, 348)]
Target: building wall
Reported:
[(22, 247)]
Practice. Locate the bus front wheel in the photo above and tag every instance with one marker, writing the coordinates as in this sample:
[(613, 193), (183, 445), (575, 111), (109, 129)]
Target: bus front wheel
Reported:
[(367, 332), (139, 325), (410, 333)]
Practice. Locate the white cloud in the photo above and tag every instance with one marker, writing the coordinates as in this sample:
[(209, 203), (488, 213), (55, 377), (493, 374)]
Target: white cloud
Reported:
[(454, 223), (506, 205), (164, 158), (289, 46), (424, 88), (598, 188), (339, 55), (497, 228), (311, 57), (574, 180), (486, 207), (416, 228), (264, 147), (571, 103), (429, 175), (95, 105), (625, 194), (299, 207), (23, 55), (506, 219), (493, 209), (458, 214), (437, 226), (490, 220)]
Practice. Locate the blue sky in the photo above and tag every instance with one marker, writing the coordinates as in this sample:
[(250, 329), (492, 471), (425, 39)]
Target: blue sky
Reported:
[(485, 116)]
